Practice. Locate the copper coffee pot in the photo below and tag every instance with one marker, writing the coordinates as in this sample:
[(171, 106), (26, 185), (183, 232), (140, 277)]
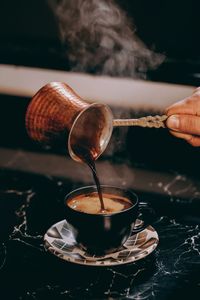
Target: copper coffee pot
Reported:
[(56, 110)]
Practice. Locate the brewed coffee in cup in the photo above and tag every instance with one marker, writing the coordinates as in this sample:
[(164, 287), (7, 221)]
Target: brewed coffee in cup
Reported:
[(90, 204)]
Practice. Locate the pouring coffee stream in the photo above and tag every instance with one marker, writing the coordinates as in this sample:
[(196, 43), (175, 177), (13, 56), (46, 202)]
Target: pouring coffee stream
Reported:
[(56, 110), (86, 156)]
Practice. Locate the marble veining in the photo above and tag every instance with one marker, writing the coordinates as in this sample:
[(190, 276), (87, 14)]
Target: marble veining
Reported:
[(30, 204)]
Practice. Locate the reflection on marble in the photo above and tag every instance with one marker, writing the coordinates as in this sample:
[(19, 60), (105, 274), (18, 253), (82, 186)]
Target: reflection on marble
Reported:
[(30, 204)]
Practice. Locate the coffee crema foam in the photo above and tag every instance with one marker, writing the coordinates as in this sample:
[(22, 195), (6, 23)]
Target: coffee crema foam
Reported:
[(89, 203)]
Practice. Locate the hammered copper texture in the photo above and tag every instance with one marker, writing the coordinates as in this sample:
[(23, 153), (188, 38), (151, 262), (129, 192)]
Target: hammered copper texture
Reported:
[(52, 111)]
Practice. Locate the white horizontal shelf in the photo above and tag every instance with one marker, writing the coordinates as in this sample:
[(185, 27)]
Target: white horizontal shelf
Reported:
[(26, 81)]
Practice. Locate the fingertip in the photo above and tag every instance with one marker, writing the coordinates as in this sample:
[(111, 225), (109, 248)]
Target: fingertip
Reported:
[(196, 91), (194, 141), (180, 135)]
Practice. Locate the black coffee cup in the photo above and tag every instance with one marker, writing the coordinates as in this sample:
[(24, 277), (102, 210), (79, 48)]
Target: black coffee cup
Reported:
[(104, 233)]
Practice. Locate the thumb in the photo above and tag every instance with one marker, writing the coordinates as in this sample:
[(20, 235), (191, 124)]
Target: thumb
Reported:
[(184, 123)]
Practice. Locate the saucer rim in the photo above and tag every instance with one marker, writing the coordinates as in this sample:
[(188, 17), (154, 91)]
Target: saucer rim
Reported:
[(94, 263)]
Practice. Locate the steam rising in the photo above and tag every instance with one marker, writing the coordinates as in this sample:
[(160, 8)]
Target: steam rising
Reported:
[(101, 39)]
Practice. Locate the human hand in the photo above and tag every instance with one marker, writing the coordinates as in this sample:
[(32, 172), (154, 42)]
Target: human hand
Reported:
[(184, 119)]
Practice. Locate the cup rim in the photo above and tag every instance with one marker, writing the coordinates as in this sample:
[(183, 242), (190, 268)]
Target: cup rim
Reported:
[(71, 153), (95, 188)]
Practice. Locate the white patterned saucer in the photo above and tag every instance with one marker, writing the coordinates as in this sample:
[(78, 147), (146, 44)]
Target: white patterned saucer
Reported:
[(60, 241)]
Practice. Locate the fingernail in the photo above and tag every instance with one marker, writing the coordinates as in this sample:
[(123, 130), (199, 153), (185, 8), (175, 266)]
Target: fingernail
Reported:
[(173, 122)]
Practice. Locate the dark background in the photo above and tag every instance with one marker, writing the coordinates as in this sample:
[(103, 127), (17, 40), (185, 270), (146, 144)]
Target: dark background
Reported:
[(29, 35)]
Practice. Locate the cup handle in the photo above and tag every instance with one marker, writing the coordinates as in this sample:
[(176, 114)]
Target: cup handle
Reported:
[(146, 215)]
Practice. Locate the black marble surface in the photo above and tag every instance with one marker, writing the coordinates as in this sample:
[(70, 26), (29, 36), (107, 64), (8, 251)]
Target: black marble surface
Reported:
[(162, 170), (31, 203)]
